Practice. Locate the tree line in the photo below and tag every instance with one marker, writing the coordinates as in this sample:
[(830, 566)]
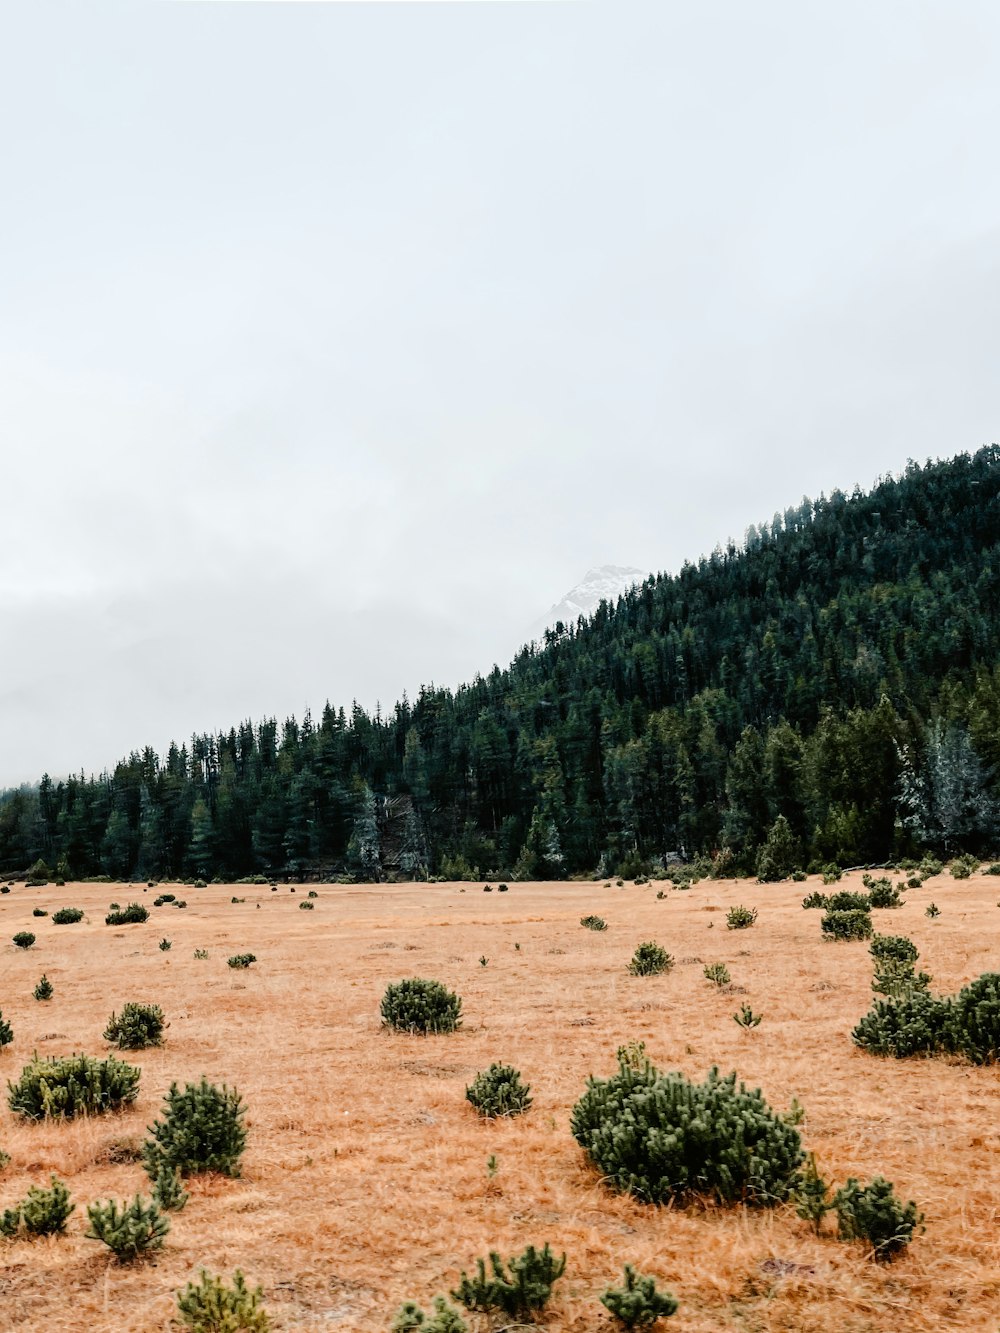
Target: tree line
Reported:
[(839, 671)]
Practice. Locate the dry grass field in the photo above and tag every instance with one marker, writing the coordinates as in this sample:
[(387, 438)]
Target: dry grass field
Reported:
[(365, 1179)]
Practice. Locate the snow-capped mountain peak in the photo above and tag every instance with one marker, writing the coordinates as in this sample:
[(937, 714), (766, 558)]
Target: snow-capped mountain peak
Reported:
[(605, 583)]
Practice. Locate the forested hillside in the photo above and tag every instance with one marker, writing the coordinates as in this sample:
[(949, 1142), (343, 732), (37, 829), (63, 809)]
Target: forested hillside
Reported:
[(839, 674)]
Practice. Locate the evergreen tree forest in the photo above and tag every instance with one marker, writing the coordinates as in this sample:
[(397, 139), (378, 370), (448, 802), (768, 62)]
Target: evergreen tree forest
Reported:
[(827, 691)]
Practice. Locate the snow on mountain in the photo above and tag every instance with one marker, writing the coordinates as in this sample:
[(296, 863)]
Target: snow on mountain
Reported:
[(606, 583)]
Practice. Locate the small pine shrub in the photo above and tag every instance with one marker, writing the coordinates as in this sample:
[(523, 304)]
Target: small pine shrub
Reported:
[(831, 873), (168, 1192), (306, 906), (844, 900), (67, 916), (502, 888), (73, 1085), (594, 922), (664, 1138), (180, 903), (914, 882), (882, 893), (166, 945), (241, 960), (915, 1023), (740, 918), (41, 1213), (199, 884), (498, 1091), (847, 925), (39, 911), (312, 894), (410, 1318), (799, 876), (131, 915), (930, 866), (24, 939), (419, 1005), (44, 990), (993, 868), (812, 1195), (893, 949), (932, 910), (964, 866), (130, 1230), (650, 960), (6, 1032), (518, 1292), (487, 888), (816, 899), (638, 1303), (201, 954), (746, 1018), (138, 1026), (874, 1214), (974, 1020), (210, 1306), (201, 1130), (717, 974)]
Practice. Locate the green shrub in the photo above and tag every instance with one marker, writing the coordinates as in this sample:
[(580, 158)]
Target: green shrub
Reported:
[(816, 899), (6, 1032), (201, 1130), (798, 876), (964, 866), (525, 1287), (914, 882), (844, 900), (664, 1138), (166, 945), (168, 1192), (893, 949), (410, 1318), (40, 1213), (812, 1195), (594, 922), (639, 1303), (201, 954), (498, 1091), (874, 1214), (73, 1085), (199, 884), (739, 918), (847, 925), (24, 939), (210, 1306), (915, 1023), (134, 913), (67, 916), (418, 1005), (717, 974), (136, 1027), (129, 1230), (993, 868), (44, 990), (746, 1018), (241, 960), (780, 853), (930, 866), (974, 1020), (883, 894), (831, 873), (932, 910), (649, 960), (306, 906), (39, 911)]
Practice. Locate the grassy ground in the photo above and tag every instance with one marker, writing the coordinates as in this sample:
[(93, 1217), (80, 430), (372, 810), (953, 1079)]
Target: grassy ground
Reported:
[(365, 1180)]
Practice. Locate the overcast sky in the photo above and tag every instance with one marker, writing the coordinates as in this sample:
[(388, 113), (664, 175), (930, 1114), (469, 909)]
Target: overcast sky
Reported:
[(338, 341)]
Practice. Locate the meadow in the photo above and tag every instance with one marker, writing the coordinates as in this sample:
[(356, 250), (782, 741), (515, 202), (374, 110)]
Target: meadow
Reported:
[(367, 1178)]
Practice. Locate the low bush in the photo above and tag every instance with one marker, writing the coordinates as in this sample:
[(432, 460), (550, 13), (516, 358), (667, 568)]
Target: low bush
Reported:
[(816, 899), (812, 1195), (912, 1024), (739, 918), (974, 1020), (993, 868), (168, 1192), (518, 1292), (41, 1213), (6, 1032), (127, 916), (44, 990), (73, 1085), (306, 906), (873, 1213), (594, 922), (201, 1129), (39, 911), (882, 893), (844, 900), (929, 866), (831, 873), (24, 939), (210, 1306), (746, 1018), (717, 974), (650, 960), (638, 1303), (136, 1027), (498, 1091), (410, 1318), (964, 866), (932, 910), (241, 960), (67, 916), (893, 949), (419, 1005), (847, 925), (166, 945), (129, 1230), (663, 1138)]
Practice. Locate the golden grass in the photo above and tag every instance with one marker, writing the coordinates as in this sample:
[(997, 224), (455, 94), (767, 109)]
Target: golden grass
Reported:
[(365, 1179)]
